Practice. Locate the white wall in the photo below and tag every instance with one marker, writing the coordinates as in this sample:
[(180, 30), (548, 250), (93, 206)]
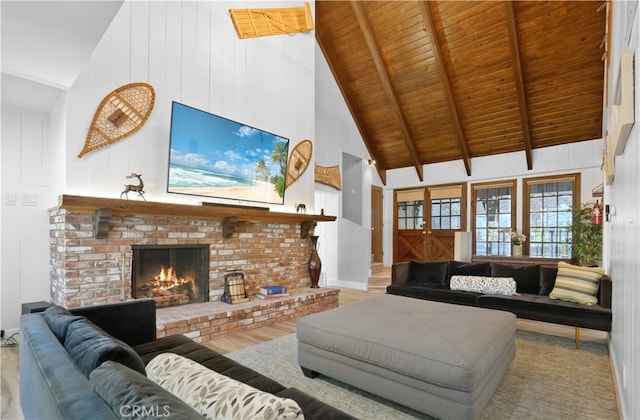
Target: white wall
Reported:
[(27, 170), (622, 234), (337, 135)]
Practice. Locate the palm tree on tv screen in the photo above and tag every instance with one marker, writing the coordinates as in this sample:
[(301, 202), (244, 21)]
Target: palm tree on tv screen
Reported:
[(262, 170), (279, 156)]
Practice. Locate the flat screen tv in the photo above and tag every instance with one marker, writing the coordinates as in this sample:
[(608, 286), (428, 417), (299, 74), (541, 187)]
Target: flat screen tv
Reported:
[(212, 156)]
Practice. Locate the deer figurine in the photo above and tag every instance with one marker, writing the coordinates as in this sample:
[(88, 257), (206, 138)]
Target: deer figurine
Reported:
[(135, 188)]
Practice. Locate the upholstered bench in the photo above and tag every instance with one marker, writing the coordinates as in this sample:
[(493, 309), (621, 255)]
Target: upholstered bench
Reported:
[(441, 359)]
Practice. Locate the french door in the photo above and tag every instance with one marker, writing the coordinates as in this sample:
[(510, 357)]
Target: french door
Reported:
[(425, 222)]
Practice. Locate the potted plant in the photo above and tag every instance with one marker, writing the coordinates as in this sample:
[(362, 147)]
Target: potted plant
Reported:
[(586, 238)]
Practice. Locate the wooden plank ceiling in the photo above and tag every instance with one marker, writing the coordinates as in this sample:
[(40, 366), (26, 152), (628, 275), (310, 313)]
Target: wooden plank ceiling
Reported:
[(440, 81)]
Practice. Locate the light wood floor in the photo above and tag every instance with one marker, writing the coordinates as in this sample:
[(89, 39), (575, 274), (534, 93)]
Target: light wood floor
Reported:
[(250, 338), (9, 385), (10, 403)]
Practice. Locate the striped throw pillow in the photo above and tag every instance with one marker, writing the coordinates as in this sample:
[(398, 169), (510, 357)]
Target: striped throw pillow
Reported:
[(577, 284), (216, 396)]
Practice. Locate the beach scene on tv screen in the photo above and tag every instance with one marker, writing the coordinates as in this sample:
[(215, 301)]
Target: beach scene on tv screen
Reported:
[(215, 157)]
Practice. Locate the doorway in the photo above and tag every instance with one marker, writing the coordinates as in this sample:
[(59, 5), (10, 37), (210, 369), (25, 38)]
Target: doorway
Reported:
[(376, 224)]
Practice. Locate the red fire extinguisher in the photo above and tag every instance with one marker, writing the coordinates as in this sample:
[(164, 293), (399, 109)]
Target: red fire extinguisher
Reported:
[(597, 214)]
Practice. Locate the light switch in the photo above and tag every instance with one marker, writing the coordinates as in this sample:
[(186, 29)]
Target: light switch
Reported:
[(29, 199)]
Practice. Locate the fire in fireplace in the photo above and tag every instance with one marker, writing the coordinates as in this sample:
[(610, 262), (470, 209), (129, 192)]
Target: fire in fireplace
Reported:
[(171, 275)]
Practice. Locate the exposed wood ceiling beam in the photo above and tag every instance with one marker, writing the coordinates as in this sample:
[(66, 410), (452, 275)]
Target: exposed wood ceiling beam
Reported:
[(389, 91), (337, 75), (517, 73), (444, 78)]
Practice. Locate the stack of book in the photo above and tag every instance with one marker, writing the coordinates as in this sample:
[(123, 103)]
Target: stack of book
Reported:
[(272, 292)]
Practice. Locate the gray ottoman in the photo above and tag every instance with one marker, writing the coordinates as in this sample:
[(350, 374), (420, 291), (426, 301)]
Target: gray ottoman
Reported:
[(441, 359)]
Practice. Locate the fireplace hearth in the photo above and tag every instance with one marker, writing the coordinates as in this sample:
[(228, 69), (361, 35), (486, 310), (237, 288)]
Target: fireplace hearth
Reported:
[(171, 275)]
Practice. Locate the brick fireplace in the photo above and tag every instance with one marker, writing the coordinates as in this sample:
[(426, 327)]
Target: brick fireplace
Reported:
[(86, 270)]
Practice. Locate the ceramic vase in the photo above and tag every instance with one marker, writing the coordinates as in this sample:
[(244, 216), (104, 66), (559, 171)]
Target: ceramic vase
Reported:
[(315, 264), (516, 251)]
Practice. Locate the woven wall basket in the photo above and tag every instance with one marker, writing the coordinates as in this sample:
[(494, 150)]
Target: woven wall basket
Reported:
[(299, 159), (120, 114)]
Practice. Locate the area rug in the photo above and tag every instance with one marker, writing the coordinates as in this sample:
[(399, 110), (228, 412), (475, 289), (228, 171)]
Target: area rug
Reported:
[(548, 379)]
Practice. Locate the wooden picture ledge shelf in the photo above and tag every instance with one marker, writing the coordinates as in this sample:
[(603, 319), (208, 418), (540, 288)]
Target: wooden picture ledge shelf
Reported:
[(232, 214)]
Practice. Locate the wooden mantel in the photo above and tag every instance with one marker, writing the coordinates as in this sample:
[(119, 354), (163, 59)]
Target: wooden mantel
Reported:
[(229, 214)]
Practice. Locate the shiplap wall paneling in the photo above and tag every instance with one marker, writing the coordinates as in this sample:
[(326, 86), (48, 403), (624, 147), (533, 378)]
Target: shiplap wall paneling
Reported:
[(172, 87), (157, 54), (139, 40), (190, 88), (138, 147)]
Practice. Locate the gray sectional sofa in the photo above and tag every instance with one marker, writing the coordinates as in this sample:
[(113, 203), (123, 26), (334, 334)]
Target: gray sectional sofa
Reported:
[(431, 281), (90, 364)]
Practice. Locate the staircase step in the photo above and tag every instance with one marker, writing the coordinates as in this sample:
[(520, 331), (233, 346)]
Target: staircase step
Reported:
[(380, 279), (376, 267), (378, 284)]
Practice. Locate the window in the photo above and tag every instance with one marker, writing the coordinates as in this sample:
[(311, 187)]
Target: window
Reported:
[(494, 208), (445, 213), (410, 209), (548, 214), (446, 207), (410, 215)]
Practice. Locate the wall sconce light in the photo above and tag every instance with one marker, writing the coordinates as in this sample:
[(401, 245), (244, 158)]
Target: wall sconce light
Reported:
[(371, 162)]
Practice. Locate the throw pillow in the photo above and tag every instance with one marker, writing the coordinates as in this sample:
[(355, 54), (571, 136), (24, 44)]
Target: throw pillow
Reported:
[(89, 347), (214, 395), (547, 279), (58, 319), (577, 284), (527, 277), (458, 268), (490, 285), (134, 396), (434, 273)]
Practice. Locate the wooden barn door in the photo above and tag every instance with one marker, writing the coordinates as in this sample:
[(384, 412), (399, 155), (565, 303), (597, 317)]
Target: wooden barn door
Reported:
[(425, 222), (409, 233)]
